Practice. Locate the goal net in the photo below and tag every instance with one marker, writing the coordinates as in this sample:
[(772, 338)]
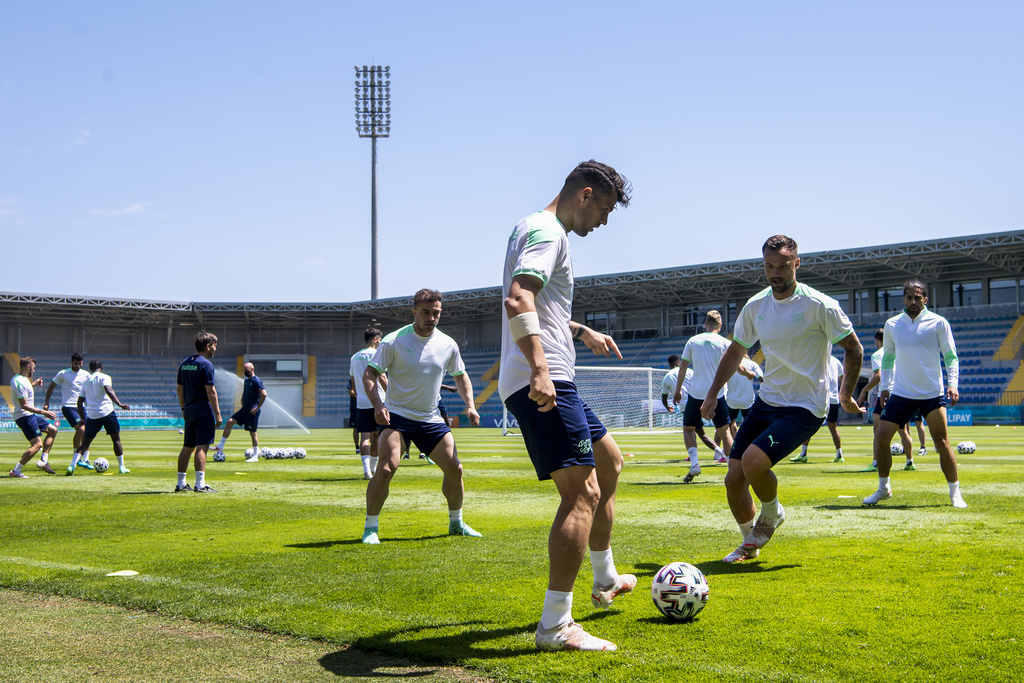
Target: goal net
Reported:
[(622, 398)]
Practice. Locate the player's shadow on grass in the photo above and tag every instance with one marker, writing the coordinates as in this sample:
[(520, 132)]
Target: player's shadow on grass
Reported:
[(359, 541), (142, 493), (749, 567), (332, 480), (887, 506), (677, 482)]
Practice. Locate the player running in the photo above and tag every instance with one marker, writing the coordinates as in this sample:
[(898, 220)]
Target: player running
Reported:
[(365, 420), (668, 388), (796, 325), (27, 417), (70, 381), (565, 440), (97, 400), (914, 342)]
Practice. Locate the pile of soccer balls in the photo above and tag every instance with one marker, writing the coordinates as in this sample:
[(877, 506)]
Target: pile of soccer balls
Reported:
[(966, 447), (680, 591), (278, 453)]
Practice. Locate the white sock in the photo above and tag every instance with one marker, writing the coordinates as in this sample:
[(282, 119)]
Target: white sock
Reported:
[(120, 461), (557, 609), (372, 521), (604, 568), (75, 459), (200, 479), (181, 478), (693, 456), (366, 464), (839, 452), (719, 453), (954, 487), (220, 446), (874, 463), (85, 456), (373, 464), (770, 509), (883, 484), (44, 457), (17, 468), (455, 515), (803, 450), (746, 528)]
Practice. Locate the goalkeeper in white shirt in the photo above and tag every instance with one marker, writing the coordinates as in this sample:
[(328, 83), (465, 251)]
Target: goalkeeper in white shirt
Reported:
[(911, 379)]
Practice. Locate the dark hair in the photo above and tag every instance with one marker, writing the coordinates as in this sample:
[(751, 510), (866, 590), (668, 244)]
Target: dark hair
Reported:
[(915, 283), (429, 295), (778, 243), (76, 356), (204, 339), (95, 365), (371, 334), (673, 360), (26, 361), (879, 333), (601, 178)]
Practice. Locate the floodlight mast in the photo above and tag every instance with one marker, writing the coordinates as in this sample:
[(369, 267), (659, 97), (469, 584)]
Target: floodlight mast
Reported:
[(373, 120)]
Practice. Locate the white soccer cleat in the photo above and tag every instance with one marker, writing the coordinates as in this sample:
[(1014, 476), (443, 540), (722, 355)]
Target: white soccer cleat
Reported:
[(763, 530), (740, 554), (370, 536), (569, 636), (692, 474), (922, 451), (254, 458), (957, 500), (878, 496), (602, 597)]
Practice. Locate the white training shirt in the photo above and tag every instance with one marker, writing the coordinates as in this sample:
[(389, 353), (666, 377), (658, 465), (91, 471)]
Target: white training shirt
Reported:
[(876, 365), (70, 383), (21, 387), (97, 402), (671, 378), (704, 352), (415, 367), (835, 371), (917, 347), (356, 367), (740, 390), (539, 246), (795, 335)]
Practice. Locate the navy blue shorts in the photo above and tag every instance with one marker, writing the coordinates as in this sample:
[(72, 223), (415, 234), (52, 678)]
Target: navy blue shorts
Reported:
[(425, 435), (73, 416), (352, 410), (738, 412), (200, 428), (915, 417), (877, 410), (776, 431), (365, 421), (32, 426), (248, 421), (833, 414), (898, 409), (108, 422), (563, 436), (693, 418)]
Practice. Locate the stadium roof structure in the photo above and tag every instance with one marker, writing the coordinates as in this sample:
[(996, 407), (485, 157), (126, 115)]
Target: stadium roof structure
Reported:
[(958, 259)]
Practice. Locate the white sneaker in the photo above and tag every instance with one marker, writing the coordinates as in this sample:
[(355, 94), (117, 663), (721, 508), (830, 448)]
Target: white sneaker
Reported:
[(370, 536), (254, 458), (878, 496), (763, 530), (602, 598), (957, 500), (740, 554), (692, 474), (922, 451), (569, 636)]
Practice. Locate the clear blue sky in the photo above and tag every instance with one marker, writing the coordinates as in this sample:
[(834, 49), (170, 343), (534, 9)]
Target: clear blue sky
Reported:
[(206, 151)]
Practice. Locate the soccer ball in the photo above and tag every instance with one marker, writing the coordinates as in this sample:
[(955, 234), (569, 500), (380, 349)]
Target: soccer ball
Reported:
[(897, 449), (288, 452), (966, 447), (300, 453), (249, 453), (101, 465), (218, 456), (680, 591), (266, 452)]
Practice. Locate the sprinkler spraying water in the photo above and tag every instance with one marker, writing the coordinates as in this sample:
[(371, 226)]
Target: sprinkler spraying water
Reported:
[(269, 406)]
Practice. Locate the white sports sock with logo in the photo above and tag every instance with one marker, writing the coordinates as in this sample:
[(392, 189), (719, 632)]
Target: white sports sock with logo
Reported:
[(746, 528), (694, 460), (557, 609)]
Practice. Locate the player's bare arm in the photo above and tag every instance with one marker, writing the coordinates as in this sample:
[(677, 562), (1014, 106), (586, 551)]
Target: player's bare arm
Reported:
[(598, 342), (49, 393), (749, 374), (370, 379), (211, 394), (521, 299), (851, 372), (683, 366), (38, 411), (181, 398), (664, 402), (465, 388), (726, 368), (113, 397)]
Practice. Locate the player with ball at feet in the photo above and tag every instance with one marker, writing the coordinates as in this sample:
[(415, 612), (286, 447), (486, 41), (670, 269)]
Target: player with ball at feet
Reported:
[(566, 441)]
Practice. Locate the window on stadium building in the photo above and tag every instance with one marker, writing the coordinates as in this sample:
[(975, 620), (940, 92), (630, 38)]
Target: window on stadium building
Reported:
[(966, 293), (890, 299), (600, 321), (1002, 291)]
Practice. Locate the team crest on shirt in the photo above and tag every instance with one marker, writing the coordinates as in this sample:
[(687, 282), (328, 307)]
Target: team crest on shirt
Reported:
[(584, 446), (797, 318)]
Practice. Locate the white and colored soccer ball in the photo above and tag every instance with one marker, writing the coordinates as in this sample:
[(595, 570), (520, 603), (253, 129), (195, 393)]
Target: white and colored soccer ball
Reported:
[(896, 449), (249, 452), (680, 591), (266, 452), (288, 452), (966, 447), (218, 456), (101, 465), (300, 453)]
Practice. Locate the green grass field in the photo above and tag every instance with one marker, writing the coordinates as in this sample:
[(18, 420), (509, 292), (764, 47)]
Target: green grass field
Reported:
[(911, 590)]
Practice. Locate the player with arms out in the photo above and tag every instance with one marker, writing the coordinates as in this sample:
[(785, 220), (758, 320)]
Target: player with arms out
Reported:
[(914, 342), (415, 359), (97, 401), (30, 419), (796, 326), (565, 440), (248, 415), (197, 397), (70, 381)]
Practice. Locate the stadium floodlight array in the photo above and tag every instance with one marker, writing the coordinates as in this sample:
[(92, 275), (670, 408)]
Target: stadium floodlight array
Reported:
[(622, 398), (373, 120)]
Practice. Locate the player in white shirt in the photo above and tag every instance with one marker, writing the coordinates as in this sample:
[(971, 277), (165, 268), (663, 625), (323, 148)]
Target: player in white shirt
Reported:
[(668, 388), (739, 391), (27, 417), (569, 445), (366, 423), (97, 398), (705, 352), (796, 325), (911, 379), (70, 381), (835, 377), (415, 359), (870, 394)]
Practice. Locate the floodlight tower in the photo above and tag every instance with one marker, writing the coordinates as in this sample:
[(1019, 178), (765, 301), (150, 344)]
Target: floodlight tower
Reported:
[(373, 120)]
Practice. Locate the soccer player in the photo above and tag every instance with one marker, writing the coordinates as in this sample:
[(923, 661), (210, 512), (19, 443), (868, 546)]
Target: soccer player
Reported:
[(27, 417), (835, 377), (197, 397), (415, 359), (914, 342), (796, 325), (870, 390), (668, 388), (739, 391), (70, 381), (705, 351), (248, 415), (365, 420), (97, 399), (566, 441), (353, 411)]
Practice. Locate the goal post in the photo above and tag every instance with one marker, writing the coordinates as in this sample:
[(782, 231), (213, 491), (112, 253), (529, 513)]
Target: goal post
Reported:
[(622, 398)]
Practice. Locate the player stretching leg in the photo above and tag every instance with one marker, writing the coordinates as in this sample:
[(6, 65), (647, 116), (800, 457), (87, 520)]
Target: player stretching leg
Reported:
[(569, 445), (796, 325), (914, 341)]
